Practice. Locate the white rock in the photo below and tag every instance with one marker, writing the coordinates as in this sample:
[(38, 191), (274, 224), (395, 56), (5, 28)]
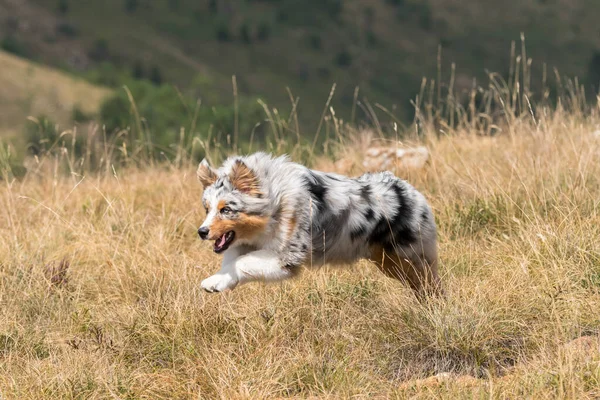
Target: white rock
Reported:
[(381, 158)]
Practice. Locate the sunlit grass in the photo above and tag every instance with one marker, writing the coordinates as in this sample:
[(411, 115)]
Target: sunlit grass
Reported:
[(100, 273)]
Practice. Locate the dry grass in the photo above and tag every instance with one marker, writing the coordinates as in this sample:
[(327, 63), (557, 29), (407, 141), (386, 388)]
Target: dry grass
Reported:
[(99, 286), (100, 270)]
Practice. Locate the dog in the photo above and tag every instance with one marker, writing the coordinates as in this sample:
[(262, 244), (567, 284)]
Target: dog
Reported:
[(270, 216)]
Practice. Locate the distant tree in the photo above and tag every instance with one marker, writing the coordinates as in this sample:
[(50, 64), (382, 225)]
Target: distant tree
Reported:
[(174, 5), (343, 59), (425, 17), (594, 71), (115, 113), (213, 6), (369, 16), (303, 71), (156, 76), (445, 42), (78, 115), (223, 33), (99, 51), (314, 40), (263, 32), (323, 72), (131, 6), (137, 72), (66, 29), (282, 15), (371, 37), (12, 45), (396, 2), (63, 6), (333, 8), (245, 34)]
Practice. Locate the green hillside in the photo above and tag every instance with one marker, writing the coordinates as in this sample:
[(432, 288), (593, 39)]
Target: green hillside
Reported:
[(28, 89), (383, 46)]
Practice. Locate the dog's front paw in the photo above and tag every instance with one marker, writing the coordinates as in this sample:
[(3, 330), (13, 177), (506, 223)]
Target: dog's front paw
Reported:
[(219, 283)]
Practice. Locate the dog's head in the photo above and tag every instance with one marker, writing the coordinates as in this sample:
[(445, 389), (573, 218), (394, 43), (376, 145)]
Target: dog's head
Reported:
[(233, 200)]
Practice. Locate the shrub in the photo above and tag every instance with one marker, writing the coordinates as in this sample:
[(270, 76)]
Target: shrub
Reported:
[(137, 72), (10, 44), (425, 17), (323, 72), (310, 12), (343, 59), (107, 74), (63, 6), (371, 37), (114, 113), (99, 50), (333, 8), (213, 6), (594, 70), (315, 42), (420, 12), (156, 76), (282, 15), (264, 31), (223, 33), (131, 6), (11, 166), (66, 29), (42, 134), (79, 115), (245, 35)]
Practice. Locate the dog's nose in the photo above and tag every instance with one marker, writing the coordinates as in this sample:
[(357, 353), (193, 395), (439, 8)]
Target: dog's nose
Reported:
[(203, 232)]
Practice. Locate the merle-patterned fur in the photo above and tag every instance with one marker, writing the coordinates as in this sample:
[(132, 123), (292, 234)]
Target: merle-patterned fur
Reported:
[(317, 218)]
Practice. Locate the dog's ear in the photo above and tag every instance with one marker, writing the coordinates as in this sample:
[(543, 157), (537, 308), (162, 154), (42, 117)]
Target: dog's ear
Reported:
[(206, 175), (244, 179)]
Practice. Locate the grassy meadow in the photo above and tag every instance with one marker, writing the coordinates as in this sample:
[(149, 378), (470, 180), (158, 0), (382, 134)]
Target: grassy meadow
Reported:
[(100, 269), (30, 89)]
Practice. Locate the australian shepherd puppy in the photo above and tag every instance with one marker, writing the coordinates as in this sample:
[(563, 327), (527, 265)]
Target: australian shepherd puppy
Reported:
[(270, 216)]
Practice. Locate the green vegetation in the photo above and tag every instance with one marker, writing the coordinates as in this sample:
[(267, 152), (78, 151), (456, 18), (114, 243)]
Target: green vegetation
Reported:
[(383, 46), (162, 111)]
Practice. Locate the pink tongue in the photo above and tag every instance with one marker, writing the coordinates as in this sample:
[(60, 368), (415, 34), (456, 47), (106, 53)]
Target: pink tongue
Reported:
[(222, 241)]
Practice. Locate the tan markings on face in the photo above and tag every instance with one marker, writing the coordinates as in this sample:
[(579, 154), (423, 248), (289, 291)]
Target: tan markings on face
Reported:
[(220, 205), (245, 226)]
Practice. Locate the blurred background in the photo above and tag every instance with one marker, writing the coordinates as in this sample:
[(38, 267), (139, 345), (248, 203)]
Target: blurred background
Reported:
[(223, 67)]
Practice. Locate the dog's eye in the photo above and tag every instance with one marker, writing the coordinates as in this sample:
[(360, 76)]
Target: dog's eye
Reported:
[(226, 210)]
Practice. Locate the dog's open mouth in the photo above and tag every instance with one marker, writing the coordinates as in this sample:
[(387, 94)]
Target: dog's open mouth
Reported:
[(223, 242)]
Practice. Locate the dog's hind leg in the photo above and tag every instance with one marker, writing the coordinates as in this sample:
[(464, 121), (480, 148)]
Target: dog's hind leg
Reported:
[(406, 265)]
